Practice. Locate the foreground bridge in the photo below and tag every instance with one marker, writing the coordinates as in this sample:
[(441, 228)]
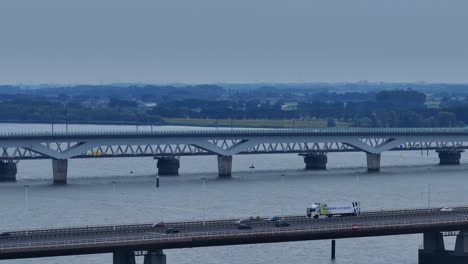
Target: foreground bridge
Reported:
[(124, 241), (169, 146)]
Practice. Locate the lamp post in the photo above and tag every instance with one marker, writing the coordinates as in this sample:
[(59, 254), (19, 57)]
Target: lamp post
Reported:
[(66, 121), (251, 167), (428, 190), (428, 195), (203, 199), (26, 197), (282, 202)]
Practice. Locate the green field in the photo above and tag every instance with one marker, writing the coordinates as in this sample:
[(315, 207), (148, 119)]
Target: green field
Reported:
[(251, 123)]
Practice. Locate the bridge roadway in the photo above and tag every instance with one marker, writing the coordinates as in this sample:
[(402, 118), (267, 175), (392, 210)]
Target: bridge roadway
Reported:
[(107, 239), (169, 146)]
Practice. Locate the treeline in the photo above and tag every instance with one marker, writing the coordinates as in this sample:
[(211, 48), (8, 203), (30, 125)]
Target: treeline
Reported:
[(150, 104), (41, 110), (400, 108)]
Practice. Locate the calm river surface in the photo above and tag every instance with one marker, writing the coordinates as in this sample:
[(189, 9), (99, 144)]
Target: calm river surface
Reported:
[(92, 199)]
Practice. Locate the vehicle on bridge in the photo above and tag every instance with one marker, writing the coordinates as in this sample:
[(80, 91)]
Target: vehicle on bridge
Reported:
[(172, 231), (318, 210), (245, 220), (160, 224), (275, 218), (244, 226), (282, 223), (446, 209)]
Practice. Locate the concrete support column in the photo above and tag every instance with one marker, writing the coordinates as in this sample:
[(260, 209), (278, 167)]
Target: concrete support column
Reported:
[(7, 171), (434, 251), (315, 161), (333, 245), (449, 157), (461, 245), (224, 166), (155, 257), (168, 166), (60, 169), (373, 162), (123, 257), (433, 241)]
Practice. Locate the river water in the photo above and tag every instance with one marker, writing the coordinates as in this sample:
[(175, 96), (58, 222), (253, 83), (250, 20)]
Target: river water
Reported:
[(122, 190)]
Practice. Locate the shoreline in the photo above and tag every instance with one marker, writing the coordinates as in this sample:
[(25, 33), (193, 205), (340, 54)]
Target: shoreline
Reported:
[(248, 123)]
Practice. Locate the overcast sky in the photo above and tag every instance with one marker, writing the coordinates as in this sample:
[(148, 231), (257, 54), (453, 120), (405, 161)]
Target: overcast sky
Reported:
[(213, 41)]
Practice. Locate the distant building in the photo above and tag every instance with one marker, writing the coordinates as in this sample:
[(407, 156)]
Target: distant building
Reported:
[(289, 106)]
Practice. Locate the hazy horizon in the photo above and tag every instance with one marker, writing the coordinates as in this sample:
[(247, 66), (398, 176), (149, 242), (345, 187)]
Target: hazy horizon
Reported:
[(224, 42), (225, 84)]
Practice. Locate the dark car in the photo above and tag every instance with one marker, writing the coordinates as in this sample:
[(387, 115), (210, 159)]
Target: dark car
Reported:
[(244, 226), (172, 231), (275, 218), (282, 223), (244, 221), (5, 234), (160, 224)]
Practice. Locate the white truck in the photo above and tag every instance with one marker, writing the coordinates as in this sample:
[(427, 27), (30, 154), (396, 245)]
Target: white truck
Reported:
[(321, 210)]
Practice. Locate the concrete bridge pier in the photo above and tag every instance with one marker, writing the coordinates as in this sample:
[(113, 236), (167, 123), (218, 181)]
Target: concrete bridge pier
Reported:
[(224, 166), (461, 244), (168, 166), (373, 162), (60, 170), (123, 257), (155, 257), (433, 241), (315, 161), (434, 251), (7, 171), (449, 157)]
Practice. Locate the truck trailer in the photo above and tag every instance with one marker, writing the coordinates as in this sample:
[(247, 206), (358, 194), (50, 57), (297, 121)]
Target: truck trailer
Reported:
[(322, 210)]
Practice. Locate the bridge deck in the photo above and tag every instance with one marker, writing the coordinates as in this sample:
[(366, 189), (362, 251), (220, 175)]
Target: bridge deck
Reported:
[(27, 244), (238, 132), (18, 146)]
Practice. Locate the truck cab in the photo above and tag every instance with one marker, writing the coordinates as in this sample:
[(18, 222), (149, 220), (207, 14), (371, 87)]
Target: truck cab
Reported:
[(313, 210)]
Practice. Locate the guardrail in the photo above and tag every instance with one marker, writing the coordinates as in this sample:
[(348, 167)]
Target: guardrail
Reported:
[(211, 132), (77, 231), (182, 237)]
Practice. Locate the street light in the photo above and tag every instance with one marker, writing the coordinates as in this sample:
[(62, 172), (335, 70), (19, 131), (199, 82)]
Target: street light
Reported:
[(282, 202), (429, 195), (66, 121), (251, 167), (203, 199), (428, 190), (26, 198)]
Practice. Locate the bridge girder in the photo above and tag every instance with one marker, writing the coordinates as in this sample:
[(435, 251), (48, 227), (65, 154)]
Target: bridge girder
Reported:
[(226, 144)]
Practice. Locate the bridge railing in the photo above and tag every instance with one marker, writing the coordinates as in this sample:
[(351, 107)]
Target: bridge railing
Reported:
[(149, 226), (184, 237), (213, 132)]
